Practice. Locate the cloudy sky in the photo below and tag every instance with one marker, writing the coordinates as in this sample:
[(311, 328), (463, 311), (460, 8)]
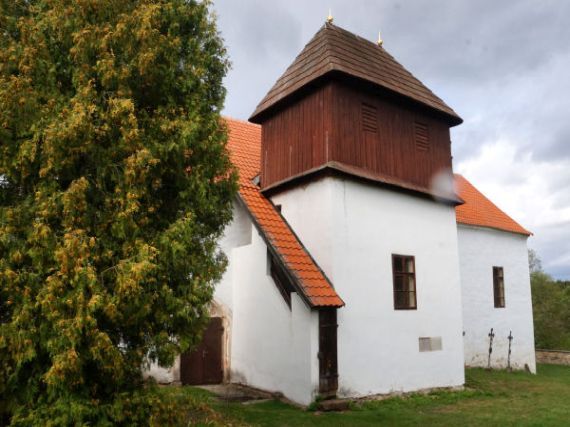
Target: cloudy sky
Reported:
[(504, 66)]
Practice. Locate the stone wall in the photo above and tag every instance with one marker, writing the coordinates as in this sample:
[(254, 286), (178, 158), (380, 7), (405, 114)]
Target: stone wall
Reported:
[(553, 357)]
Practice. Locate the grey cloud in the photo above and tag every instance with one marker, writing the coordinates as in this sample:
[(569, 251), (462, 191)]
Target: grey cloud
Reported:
[(555, 144), (552, 243), (471, 42), (262, 38), (559, 186), (259, 28)]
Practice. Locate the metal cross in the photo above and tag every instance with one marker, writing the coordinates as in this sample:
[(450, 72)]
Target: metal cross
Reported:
[(510, 337), (491, 336)]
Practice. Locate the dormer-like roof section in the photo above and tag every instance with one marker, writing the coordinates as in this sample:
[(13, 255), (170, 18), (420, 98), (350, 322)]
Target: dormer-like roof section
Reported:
[(244, 145), (335, 50)]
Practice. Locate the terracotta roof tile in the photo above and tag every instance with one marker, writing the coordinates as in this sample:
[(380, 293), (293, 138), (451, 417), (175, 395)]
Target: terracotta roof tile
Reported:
[(478, 210), (334, 49), (245, 145)]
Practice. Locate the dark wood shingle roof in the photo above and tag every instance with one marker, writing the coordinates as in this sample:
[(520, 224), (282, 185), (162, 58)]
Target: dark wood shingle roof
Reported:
[(334, 49)]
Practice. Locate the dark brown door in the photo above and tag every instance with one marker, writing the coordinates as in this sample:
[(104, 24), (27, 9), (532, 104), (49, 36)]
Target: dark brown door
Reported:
[(328, 366), (203, 365)]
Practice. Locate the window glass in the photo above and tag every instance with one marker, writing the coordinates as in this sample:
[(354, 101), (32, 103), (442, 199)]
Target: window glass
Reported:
[(498, 287), (404, 282)]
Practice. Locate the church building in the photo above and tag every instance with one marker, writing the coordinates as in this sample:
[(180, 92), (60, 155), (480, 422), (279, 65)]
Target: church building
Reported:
[(359, 264)]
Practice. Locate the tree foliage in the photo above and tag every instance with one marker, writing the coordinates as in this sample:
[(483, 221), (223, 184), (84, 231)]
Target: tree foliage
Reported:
[(534, 262), (551, 308), (115, 184)]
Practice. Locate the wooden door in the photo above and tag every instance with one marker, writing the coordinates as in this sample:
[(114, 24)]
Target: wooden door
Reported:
[(328, 365), (203, 365)]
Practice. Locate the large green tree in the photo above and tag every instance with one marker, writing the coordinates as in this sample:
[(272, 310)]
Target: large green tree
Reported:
[(551, 308), (115, 184)]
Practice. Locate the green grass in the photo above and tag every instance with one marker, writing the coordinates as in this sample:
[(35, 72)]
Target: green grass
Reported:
[(495, 398)]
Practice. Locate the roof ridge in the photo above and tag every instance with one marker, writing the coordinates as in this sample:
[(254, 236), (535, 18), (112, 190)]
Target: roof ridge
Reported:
[(244, 121), (383, 51), (357, 36)]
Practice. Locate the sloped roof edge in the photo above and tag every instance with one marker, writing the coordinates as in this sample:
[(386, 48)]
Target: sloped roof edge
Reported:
[(333, 302), (480, 211)]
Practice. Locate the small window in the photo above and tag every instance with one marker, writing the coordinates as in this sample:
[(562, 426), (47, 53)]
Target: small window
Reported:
[(421, 136), (369, 118), (404, 272), (499, 287), (281, 281)]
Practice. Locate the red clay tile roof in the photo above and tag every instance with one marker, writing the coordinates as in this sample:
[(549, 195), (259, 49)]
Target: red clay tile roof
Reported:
[(334, 49), (245, 149), (480, 211)]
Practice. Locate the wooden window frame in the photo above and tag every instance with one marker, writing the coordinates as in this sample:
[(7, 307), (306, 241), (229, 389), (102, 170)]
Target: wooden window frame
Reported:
[(396, 274), (499, 287)]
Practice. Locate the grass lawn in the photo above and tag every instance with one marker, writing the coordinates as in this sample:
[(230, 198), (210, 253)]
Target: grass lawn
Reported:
[(494, 398)]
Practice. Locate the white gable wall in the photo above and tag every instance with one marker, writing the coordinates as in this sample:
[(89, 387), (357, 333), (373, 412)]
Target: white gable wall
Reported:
[(237, 233), (480, 249), (352, 230), (268, 345), (273, 347)]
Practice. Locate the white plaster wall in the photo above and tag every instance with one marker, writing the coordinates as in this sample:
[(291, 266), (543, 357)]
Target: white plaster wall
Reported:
[(479, 250), (267, 345), (236, 234), (352, 230), (273, 347)]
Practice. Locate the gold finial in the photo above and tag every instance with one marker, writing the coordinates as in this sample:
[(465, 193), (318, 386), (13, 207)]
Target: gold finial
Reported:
[(330, 18), (380, 42)]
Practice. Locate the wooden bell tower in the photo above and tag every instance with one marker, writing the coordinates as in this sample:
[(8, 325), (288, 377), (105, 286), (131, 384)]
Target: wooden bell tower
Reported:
[(346, 106)]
